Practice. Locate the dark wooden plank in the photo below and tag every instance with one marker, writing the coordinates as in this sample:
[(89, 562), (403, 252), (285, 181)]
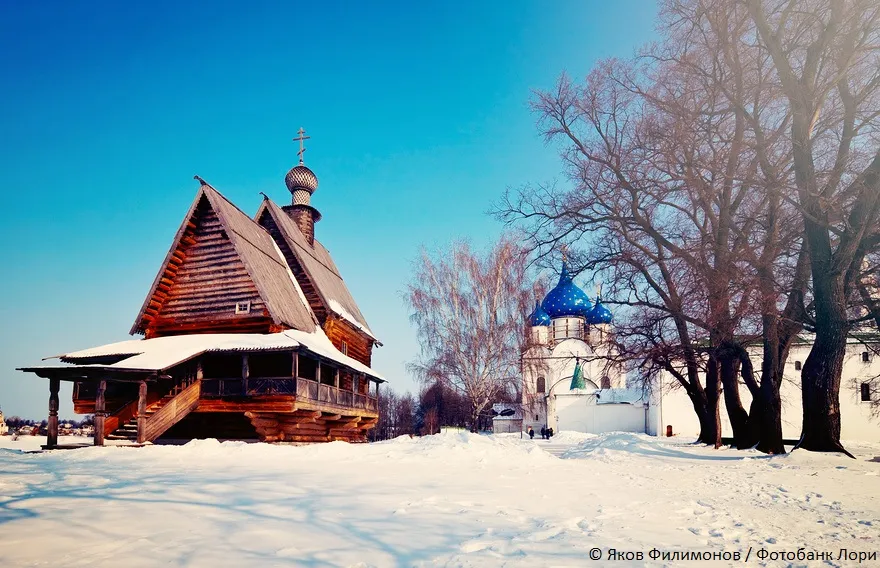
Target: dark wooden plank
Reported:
[(100, 413), (52, 438)]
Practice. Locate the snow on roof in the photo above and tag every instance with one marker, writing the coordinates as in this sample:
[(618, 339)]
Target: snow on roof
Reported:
[(620, 396), (161, 353), (337, 308)]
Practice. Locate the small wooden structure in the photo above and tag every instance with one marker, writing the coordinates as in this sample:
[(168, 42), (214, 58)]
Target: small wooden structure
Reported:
[(250, 333)]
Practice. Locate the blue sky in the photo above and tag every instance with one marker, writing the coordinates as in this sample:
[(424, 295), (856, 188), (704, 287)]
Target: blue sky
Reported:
[(418, 113)]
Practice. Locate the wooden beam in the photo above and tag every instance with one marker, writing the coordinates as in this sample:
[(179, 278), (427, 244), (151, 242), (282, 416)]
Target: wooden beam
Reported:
[(142, 413), (52, 438), (100, 413)]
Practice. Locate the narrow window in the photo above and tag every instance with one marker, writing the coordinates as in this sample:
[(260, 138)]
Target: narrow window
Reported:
[(866, 357), (797, 365), (866, 392), (606, 382), (536, 416), (541, 384), (344, 348)]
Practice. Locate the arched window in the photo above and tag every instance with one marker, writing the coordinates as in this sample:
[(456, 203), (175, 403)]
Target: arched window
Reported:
[(606, 382), (541, 384), (866, 357)]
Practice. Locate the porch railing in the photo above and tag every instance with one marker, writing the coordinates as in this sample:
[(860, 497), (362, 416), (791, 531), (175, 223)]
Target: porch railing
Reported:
[(303, 388)]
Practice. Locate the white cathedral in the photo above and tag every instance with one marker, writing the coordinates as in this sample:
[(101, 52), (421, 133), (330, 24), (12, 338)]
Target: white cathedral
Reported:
[(568, 383)]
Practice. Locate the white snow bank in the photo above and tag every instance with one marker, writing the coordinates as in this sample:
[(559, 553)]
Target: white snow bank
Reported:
[(454, 499), (571, 437)]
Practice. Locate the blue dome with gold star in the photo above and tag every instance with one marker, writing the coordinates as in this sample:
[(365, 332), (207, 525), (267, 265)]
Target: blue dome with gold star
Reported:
[(599, 313), (566, 299), (539, 316)]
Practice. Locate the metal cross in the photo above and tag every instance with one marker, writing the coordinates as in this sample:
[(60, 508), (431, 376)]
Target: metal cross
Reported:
[(302, 148)]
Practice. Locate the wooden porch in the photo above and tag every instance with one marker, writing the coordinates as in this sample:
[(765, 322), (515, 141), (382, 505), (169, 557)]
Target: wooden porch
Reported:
[(284, 397)]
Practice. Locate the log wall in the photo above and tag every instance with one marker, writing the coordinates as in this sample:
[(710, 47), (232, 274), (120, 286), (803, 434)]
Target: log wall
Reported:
[(202, 283), (359, 347)]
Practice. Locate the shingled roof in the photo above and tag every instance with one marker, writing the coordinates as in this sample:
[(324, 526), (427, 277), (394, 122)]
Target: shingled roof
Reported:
[(319, 268), (264, 262)]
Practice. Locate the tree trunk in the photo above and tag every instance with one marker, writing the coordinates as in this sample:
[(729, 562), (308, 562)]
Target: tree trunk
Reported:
[(820, 381), (710, 421), (739, 418), (770, 419)]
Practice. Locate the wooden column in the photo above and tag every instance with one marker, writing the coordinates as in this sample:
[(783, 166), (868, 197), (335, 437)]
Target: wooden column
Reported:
[(318, 372), (142, 412), (52, 438), (245, 373), (99, 413), (294, 369), (336, 378)]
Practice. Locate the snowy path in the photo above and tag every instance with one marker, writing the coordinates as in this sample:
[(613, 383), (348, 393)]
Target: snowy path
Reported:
[(449, 500)]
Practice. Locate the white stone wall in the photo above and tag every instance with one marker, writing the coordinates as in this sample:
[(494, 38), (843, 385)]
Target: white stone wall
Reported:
[(855, 416)]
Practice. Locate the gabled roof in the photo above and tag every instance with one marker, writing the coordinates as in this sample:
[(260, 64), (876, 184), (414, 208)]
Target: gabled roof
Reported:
[(261, 257), (319, 268)]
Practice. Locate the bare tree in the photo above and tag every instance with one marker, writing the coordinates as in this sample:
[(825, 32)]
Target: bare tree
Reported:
[(468, 310), (826, 60)]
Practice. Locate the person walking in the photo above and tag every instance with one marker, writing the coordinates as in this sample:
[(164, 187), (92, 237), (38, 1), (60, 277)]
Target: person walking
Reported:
[(531, 433)]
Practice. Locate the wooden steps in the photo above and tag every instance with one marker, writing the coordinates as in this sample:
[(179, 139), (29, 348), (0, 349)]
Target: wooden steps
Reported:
[(161, 415), (128, 431)]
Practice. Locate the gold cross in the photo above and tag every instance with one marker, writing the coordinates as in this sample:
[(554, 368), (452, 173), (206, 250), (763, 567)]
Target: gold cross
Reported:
[(302, 148)]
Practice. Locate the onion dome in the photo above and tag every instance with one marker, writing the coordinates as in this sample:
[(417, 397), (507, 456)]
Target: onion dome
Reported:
[(599, 313), (301, 177), (539, 316), (566, 299)]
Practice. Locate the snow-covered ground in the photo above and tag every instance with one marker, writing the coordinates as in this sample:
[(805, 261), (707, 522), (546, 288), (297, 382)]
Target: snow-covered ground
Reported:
[(451, 500)]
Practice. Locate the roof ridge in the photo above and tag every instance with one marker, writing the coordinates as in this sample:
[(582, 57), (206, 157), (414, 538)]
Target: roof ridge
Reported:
[(306, 249)]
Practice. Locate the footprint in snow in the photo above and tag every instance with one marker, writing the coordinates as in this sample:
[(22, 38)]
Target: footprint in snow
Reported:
[(696, 531)]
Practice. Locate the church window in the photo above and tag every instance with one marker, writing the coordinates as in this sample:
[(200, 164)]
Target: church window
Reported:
[(866, 357), (242, 307), (344, 348), (536, 416), (606, 382), (797, 365), (866, 392), (541, 384)]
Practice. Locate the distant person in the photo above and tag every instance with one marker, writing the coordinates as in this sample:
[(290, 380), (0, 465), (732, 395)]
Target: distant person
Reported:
[(531, 433), (549, 433), (543, 433)]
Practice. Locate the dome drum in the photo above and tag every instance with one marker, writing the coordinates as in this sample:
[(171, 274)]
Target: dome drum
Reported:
[(301, 197), (568, 328)]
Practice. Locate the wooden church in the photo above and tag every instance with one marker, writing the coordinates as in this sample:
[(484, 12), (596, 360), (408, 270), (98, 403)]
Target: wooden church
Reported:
[(249, 332)]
